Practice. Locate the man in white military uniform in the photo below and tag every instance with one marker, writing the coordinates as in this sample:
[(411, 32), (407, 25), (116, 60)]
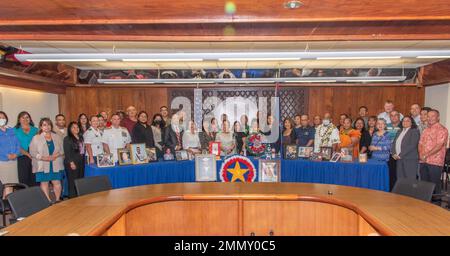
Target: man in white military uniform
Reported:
[(93, 140), (327, 135), (115, 137)]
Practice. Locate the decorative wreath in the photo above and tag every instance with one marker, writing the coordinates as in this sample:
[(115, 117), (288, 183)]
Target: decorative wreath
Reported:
[(254, 144)]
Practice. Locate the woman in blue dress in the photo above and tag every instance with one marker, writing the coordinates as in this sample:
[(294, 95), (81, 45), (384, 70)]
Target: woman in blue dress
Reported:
[(47, 151), (381, 142)]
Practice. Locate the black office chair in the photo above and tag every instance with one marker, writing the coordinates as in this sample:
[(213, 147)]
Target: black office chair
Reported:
[(27, 201), (94, 184), (421, 190), (5, 208)]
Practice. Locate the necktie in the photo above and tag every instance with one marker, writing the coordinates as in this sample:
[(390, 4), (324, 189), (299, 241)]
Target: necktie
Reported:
[(178, 138)]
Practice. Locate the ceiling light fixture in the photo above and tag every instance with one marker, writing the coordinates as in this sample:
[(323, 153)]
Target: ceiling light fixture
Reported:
[(161, 60), (257, 59), (66, 60), (434, 57), (359, 58), (294, 4)]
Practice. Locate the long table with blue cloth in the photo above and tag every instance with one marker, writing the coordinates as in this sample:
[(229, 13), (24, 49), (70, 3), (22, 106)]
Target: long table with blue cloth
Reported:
[(372, 175)]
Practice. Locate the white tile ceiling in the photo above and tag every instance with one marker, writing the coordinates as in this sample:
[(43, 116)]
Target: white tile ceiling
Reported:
[(170, 47)]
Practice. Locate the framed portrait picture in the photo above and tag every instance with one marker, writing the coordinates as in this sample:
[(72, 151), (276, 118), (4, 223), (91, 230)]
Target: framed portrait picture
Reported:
[(168, 155), (205, 167), (181, 155), (124, 155), (362, 158), (346, 155), (305, 152), (105, 160), (138, 153), (316, 157), (214, 148), (291, 152), (151, 154), (269, 170), (326, 152), (336, 156)]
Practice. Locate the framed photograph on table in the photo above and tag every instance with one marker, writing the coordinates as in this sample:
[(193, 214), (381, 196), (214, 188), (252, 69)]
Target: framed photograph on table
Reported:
[(336, 156), (346, 155), (105, 160), (269, 170), (305, 152), (317, 157), (214, 148), (327, 153), (205, 167), (124, 156), (138, 153), (181, 155), (151, 154), (168, 155), (290, 152)]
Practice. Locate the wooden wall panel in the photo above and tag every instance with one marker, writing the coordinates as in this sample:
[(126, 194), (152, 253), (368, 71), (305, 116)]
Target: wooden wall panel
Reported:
[(298, 218), (335, 100), (93, 100), (184, 218)]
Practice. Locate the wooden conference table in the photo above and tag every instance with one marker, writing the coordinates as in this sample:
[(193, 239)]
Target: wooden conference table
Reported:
[(238, 209)]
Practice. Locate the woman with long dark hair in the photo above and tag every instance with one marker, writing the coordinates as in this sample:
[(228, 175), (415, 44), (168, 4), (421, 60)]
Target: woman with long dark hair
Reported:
[(142, 132), (74, 151), (25, 132), (83, 123), (158, 125)]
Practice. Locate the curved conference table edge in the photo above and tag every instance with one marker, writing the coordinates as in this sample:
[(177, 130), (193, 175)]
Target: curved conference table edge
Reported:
[(188, 194), (381, 229)]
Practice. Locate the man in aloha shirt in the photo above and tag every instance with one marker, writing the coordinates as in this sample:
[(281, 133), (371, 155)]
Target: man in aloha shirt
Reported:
[(327, 135)]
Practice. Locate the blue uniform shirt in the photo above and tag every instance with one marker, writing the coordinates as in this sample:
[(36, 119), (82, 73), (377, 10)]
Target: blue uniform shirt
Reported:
[(9, 144), (304, 134)]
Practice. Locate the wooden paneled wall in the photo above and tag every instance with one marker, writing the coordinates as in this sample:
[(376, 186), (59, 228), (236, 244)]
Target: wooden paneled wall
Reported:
[(338, 100), (335, 100), (93, 100)]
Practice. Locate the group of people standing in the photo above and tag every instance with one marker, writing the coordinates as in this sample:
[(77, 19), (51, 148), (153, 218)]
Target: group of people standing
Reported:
[(414, 146)]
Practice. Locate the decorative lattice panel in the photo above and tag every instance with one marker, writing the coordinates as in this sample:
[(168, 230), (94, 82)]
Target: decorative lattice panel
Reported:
[(292, 100)]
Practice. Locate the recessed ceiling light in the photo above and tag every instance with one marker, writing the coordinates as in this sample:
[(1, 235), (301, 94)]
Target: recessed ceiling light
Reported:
[(294, 4)]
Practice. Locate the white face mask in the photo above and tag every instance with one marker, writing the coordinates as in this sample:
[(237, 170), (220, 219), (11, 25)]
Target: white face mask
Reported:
[(2, 122), (326, 122)]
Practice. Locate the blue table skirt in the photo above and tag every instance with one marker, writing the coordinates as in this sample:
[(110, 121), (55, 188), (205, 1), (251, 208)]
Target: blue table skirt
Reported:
[(372, 175)]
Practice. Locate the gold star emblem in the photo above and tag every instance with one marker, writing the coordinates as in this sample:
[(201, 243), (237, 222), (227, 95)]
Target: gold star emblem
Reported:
[(238, 173)]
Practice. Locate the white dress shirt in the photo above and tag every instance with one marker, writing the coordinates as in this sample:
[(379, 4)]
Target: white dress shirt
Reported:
[(116, 138), (94, 138), (386, 117)]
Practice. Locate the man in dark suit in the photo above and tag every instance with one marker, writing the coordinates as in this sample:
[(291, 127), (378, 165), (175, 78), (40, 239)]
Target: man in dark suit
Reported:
[(405, 149), (173, 134)]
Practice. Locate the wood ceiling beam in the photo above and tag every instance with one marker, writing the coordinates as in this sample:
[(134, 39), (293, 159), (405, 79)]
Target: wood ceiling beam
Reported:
[(436, 73), (22, 80)]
